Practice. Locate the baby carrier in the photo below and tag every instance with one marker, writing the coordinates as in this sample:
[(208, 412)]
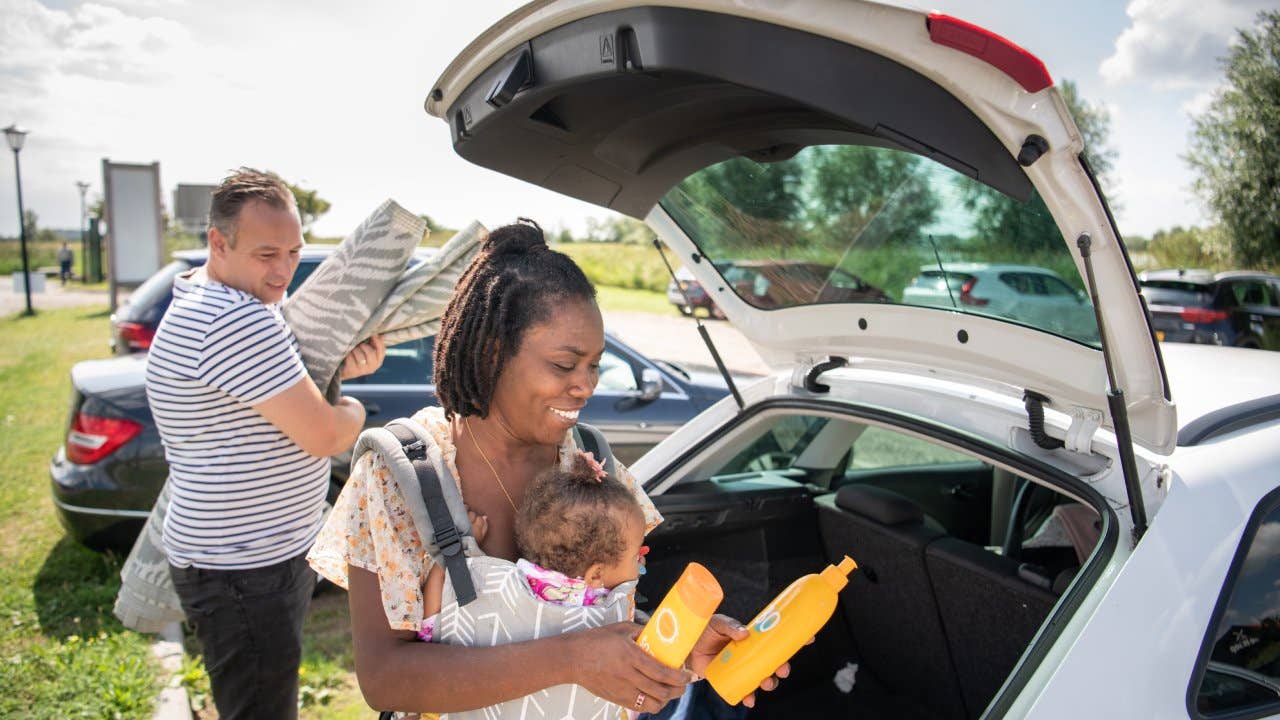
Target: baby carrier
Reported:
[(485, 601)]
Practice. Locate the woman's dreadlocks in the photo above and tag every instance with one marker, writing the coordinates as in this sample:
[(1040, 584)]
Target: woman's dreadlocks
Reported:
[(511, 285)]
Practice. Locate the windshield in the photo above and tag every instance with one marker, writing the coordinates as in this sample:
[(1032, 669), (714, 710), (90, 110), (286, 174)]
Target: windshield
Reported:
[(858, 224), (1173, 292)]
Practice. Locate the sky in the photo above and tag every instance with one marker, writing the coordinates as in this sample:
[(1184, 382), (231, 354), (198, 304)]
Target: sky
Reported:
[(329, 94)]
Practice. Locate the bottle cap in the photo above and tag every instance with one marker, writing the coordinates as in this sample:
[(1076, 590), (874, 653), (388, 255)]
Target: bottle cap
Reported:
[(699, 590), (837, 575)]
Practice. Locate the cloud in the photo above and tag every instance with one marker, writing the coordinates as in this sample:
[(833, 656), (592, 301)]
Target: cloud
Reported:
[(92, 41), (1175, 44)]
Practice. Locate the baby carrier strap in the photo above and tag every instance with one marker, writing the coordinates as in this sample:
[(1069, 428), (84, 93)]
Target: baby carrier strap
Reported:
[(437, 507), (590, 439)]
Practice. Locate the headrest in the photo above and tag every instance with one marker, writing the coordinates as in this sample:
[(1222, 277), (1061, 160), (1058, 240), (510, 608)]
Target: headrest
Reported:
[(883, 506)]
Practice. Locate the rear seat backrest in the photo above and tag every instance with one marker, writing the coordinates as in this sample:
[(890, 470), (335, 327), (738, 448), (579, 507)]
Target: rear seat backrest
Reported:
[(989, 612), (889, 603)]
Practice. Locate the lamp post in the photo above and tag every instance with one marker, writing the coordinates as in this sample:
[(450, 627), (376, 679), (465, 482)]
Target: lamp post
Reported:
[(16, 137), (83, 187)]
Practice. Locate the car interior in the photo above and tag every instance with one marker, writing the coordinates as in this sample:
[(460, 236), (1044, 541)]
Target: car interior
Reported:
[(960, 559)]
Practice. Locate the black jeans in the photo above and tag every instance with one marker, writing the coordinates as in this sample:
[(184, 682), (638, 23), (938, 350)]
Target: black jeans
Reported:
[(249, 623)]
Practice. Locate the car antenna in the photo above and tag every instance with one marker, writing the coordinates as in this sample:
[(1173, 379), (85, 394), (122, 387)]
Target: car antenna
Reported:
[(1115, 402), (702, 329)]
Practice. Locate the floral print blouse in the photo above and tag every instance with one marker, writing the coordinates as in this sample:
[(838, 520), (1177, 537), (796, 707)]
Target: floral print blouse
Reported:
[(371, 528)]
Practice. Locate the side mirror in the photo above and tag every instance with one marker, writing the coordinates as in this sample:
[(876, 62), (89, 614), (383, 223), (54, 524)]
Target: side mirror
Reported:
[(650, 385)]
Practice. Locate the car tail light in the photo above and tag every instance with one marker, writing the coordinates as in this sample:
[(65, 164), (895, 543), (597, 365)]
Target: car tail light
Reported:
[(1026, 69), (1203, 316), (92, 438), (967, 298), (136, 335)]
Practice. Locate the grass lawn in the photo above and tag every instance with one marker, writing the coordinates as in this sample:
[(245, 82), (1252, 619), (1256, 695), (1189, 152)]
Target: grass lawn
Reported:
[(62, 653), (616, 299)]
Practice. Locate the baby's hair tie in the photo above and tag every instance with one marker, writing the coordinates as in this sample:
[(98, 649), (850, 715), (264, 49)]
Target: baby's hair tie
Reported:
[(596, 468)]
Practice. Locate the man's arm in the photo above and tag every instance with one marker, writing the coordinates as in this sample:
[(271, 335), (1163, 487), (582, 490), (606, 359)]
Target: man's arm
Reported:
[(320, 429), (317, 427)]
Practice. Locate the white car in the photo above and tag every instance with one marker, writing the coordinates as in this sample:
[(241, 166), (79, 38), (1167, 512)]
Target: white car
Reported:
[(1023, 293), (1050, 521)]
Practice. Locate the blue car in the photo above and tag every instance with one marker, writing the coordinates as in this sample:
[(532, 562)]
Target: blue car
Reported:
[(110, 469)]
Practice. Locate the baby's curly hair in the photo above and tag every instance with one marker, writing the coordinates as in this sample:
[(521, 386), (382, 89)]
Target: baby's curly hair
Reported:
[(572, 519)]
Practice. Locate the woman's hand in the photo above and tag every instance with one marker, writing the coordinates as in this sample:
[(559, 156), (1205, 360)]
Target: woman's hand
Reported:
[(719, 632), (608, 662)]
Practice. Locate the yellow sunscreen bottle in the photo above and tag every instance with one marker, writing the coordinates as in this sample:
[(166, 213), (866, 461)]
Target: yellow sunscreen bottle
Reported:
[(778, 632), (681, 617)]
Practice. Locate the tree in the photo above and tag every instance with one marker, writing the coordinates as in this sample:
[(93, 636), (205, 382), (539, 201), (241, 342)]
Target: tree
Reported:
[(1024, 229), (1235, 146), (1094, 122), (310, 205)]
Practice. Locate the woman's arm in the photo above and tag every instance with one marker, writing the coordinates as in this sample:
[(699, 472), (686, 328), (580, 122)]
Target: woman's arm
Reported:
[(397, 672)]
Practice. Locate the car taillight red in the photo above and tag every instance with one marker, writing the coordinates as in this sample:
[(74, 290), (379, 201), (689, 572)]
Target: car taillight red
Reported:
[(92, 438), (1203, 316), (136, 335), (967, 298), (1026, 69)]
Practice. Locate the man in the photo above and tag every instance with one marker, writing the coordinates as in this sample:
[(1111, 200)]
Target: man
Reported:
[(64, 264), (248, 436)]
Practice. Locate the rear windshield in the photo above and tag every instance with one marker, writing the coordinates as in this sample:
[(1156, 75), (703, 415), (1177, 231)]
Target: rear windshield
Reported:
[(152, 297), (1173, 292), (858, 224)]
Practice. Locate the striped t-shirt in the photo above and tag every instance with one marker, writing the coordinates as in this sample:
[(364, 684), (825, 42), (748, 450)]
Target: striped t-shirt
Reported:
[(242, 494)]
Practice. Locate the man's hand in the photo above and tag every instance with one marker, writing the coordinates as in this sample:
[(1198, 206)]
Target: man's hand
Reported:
[(364, 359)]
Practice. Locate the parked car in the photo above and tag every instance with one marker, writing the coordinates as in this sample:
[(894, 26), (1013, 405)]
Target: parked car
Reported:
[(1041, 531), (1023, 293), (110, 469), (688, 295), (1228, 308), (769, 284)]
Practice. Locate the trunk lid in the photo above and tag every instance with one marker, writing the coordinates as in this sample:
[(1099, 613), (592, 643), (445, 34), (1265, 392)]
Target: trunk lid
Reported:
[(805, 160)]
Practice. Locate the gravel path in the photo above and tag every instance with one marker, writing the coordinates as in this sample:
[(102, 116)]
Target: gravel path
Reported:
[(53, 297), (667, 337)]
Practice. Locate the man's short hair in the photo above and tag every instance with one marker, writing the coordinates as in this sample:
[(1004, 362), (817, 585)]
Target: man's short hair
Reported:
[(240, 188)]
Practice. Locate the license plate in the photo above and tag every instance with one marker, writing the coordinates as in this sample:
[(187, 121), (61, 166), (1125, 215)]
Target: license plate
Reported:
[(1159, 336)]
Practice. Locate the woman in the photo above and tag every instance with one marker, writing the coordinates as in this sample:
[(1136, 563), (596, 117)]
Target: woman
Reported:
[(515, 360)]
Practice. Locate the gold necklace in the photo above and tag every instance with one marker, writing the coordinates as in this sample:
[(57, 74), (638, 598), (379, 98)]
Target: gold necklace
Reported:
[(467, 422)]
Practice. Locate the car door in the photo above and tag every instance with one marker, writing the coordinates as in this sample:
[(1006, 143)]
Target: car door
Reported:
[(1259, 312), (631, 422)]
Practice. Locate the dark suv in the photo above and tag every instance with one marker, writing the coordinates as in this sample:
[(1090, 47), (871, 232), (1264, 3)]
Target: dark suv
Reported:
[(1239, 308)]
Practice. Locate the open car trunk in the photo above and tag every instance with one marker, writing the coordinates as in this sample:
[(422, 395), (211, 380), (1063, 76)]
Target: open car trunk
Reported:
[(962, 561), (741, 133)]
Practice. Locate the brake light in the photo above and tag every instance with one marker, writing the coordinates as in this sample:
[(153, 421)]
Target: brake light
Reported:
[(136, 335), (1026, 69), (92, 438), (1203, 316), (968, 299)]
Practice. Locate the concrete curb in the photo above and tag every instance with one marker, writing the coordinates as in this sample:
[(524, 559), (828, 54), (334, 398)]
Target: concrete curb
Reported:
[(173, 703)]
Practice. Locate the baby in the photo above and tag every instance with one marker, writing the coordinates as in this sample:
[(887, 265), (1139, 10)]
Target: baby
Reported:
[(579, 535)]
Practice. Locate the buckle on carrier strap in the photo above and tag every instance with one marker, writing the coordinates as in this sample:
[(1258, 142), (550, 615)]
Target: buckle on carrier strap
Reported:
[(448, 540)]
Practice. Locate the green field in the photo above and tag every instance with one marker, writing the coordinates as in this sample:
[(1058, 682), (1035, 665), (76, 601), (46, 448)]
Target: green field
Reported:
[(62, 653)]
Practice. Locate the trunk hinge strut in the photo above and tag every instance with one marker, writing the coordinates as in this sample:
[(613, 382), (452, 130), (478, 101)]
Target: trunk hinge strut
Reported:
[(1115, 402), (702, 330)]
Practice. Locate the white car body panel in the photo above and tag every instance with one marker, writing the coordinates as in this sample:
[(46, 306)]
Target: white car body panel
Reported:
[(1012, 114), (1138, 650)]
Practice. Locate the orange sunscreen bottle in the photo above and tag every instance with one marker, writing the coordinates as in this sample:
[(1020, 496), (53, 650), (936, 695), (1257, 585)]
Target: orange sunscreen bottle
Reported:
[(778, 632), (681, 617)]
